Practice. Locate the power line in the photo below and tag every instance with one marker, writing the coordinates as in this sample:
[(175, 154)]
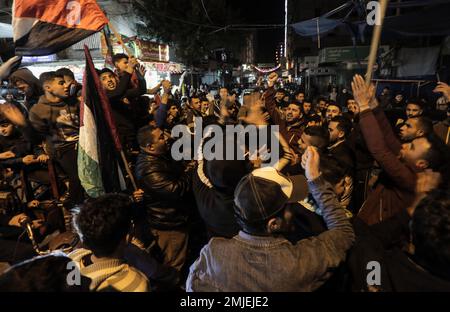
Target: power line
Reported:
[(206, 12), (258, 25), (218, 28)]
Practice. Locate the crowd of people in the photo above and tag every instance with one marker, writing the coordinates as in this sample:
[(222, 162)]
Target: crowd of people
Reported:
[(359, 180)]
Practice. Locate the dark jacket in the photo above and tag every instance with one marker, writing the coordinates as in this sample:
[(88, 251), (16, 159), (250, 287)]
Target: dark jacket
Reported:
[(165, 184), (364, 159), (400, 272), (343, 153), (125, 114), (215, 207), (342, 99), (394, 190), (21, 147), (15, 143)]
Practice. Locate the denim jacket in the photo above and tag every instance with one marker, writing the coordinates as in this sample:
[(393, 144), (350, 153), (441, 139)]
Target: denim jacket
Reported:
[(271, 263)]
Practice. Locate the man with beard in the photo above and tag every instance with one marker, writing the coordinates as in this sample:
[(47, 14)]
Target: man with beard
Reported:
[(307, 108), (442, 128), (340, 128), (321, 109), (414, 108), (293, 125), (353, 110), (415, 127), (333, 110), (363, 159), (340, 149), (395, 188)]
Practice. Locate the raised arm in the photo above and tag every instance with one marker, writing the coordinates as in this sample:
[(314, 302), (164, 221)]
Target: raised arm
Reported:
[(375, 138), (270, 104), (365, 97), (328, 249), (389, 136), (161, 113)]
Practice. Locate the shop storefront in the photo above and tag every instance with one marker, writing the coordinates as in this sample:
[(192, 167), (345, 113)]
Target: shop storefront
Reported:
[(154, 56), (157, 71)]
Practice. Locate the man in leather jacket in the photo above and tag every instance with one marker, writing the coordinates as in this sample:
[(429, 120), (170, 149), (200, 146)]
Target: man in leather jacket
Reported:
[(166, 184)]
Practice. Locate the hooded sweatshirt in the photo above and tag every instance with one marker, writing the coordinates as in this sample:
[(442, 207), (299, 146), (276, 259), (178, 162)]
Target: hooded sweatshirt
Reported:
[(57, 122), (26, 75)]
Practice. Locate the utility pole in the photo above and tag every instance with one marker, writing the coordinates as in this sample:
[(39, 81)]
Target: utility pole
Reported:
[(286, 33)]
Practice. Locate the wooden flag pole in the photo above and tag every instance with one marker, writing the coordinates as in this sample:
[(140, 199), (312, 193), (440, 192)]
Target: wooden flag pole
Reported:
[(127, 168), (375, 40), (119, 37), (122, 154)]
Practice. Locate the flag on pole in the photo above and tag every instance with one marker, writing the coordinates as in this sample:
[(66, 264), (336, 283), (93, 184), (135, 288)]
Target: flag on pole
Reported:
[(42, 27), (107, 49), (99, 145)]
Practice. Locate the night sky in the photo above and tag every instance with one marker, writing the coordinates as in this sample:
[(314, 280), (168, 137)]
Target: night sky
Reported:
[(263, 12)]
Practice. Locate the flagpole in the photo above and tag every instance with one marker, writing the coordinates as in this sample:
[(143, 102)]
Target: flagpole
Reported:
[(122, 154), (127, 168), (375, 40), (119, 37)]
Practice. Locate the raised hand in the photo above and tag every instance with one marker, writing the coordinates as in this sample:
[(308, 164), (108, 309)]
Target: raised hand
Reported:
[(311, 162), (364, 95), (273, 77), (133, 61), (141, 69), (167, 86), (444, 89)]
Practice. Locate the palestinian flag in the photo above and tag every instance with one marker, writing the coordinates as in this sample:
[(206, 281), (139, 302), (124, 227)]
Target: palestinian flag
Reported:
[(42, 27), (98, 145)]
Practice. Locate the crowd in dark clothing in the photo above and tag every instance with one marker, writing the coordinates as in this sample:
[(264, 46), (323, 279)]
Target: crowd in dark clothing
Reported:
[(355, 199)]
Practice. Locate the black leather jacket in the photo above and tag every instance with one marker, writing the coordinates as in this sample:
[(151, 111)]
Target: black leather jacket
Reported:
[(166, 186)]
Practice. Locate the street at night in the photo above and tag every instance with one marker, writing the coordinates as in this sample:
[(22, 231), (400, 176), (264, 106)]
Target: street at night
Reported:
[(197, 146)]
